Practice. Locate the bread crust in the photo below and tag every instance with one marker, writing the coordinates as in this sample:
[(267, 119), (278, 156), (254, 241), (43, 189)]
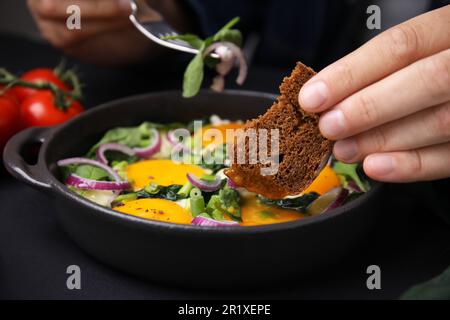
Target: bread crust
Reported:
[(303, 151)]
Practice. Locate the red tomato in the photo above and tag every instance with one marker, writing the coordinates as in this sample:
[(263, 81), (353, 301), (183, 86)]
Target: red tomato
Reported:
[(9, 119), (37, 76), (8, 93), (40, 110)]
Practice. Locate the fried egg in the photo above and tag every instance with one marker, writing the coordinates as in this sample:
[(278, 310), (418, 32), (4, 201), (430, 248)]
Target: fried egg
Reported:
[(161, 172)]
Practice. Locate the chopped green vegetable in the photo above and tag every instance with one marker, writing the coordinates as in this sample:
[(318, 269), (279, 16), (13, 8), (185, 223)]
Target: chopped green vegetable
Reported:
[(230, 202), (217, 215), (185, 190), (299, 203), (124, 197), (197, 202), (152, 188)]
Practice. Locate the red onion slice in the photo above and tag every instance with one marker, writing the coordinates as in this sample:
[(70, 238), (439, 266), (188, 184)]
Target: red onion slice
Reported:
[(208, 222), (208, 186), (339, 201), (112, 147), (352, 186), (89, 184), (70, 161), (153, 148), (228, 53), (231, 184)]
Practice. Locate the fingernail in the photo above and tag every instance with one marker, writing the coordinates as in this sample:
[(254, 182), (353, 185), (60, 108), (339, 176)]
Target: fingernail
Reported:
[(380, 165), (313, 95), (346, 149), (332, 124)]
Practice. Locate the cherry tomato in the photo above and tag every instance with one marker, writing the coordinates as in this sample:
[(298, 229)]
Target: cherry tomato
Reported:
[(37, 76), (40, 110), (9, 119), (8, 93)]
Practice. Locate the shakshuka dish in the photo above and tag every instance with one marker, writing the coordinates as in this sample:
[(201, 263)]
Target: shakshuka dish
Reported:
[(175, 173)]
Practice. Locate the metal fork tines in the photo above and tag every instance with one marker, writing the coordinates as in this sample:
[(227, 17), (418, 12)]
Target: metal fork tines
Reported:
[(154, 27)]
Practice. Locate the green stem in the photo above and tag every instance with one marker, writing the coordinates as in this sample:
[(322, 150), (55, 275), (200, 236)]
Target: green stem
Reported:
[(10, 80)]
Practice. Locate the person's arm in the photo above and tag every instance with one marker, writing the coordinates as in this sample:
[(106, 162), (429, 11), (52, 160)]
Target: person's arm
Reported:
[(388, 102), (107, 35)]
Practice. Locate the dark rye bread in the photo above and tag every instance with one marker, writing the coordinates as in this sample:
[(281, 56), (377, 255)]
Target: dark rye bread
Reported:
[(302, 149)]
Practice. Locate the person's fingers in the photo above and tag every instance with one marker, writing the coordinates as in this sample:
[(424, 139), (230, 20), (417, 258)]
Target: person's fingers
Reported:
[(430, 163), (90, 9), (391, 51), (425, 128), (59, 36), (422, 84)]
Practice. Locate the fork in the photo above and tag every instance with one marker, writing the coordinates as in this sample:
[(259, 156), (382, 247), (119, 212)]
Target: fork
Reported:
[(156, 30)]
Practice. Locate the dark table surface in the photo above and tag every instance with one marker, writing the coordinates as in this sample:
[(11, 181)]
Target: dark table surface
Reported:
[(409, 243)]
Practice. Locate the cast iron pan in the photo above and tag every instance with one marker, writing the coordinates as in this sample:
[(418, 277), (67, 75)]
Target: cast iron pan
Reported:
[(183, 254)]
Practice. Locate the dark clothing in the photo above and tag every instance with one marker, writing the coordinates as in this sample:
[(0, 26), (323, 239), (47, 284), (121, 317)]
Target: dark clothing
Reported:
[(316, 32)]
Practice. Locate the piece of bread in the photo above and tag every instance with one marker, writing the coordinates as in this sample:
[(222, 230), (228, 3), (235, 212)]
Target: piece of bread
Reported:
[(303, 151)]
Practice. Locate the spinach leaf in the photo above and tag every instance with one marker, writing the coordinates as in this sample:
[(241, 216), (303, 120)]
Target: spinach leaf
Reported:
[(437, 288), (161, 192), (351, 172), (192, 39), (139, 136), (193, 76), (84, 171), (299, 204), (91, 172)]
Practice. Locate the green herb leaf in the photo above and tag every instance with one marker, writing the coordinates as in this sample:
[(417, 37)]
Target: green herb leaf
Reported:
[(193, 76), (161, 192), (233, 36), (192, 39), (350, 171), (91, 172), (229, 25)]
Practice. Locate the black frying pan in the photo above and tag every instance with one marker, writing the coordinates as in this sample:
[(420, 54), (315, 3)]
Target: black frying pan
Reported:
[(183, 254)]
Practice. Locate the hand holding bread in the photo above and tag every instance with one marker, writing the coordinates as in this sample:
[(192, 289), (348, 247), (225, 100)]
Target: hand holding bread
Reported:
[(388, 102)]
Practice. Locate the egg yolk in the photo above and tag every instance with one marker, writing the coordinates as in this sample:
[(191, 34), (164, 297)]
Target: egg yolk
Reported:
[(325, 181), (210, 138), (254, 213), (156, 209), (160, 172)]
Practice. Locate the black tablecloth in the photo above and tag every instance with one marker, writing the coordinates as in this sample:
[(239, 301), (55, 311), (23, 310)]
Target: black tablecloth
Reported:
[(410, 243)]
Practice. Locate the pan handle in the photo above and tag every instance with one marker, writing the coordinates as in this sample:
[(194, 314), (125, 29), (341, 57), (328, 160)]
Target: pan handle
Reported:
[(33, 175)]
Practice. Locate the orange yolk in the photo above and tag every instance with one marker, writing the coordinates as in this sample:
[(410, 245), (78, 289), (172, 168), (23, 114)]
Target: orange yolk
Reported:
[(156, 209), (160, 172), (326, 181), (254, 213)]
